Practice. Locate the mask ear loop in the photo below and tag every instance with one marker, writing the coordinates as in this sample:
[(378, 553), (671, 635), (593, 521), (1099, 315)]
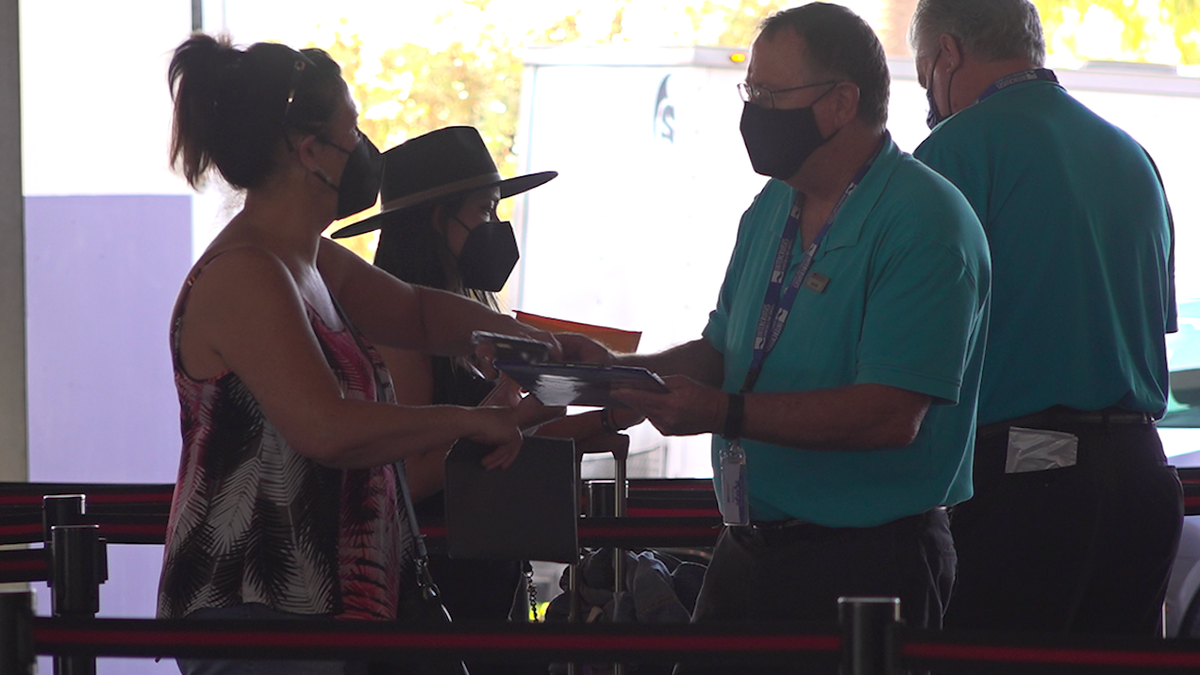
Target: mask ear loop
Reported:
[(460, 222), (949, 89)]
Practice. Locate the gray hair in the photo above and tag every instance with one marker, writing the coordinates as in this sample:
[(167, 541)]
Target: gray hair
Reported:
[(988, 30), (841, 44)]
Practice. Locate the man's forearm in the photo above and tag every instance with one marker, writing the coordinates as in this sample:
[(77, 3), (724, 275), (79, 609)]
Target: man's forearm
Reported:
[(856, 417), (696, 359)]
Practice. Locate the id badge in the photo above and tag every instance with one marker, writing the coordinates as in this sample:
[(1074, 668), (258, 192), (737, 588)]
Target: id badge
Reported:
[(734, 501)]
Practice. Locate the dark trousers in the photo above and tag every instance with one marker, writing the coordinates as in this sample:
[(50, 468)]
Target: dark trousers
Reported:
[(1086, 548), (798, 573)]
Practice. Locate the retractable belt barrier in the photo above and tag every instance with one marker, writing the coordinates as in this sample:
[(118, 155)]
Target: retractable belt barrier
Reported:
[(974, 652), (376, 640), (817, 646), (137, 514), (868, 642), (663, 512), (1190, 478)]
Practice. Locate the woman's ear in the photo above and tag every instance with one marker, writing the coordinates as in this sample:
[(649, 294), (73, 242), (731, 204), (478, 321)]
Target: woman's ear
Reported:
[(306, 151)]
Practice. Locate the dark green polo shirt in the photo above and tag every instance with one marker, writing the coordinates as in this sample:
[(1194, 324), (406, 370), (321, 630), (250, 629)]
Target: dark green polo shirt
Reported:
[(905, 305)]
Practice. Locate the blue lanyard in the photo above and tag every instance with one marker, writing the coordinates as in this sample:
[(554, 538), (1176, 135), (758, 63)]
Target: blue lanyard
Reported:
[(775, 309), (1043, 74)]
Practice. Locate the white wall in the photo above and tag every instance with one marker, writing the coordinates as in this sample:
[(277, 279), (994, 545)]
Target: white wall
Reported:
[(108, 241), (96, 113)]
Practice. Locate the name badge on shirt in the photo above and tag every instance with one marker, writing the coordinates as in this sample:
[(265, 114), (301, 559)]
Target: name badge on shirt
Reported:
[(734, 500), (816, 282)]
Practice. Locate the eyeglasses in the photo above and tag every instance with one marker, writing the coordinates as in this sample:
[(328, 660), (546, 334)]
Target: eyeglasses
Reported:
[(765, 98)]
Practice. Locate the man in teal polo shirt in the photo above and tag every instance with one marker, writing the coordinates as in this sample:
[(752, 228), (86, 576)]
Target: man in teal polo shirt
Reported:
[(853, 426), (1075, 520)]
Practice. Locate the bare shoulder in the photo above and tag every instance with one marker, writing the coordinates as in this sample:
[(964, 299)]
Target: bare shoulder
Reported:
[(232, 290), (242, 274)]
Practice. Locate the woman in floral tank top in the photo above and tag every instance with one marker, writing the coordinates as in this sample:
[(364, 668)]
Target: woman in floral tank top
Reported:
[(289, 497)]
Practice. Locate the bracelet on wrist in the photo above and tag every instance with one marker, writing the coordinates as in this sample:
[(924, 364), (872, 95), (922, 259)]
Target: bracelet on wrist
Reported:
[(735, 409)]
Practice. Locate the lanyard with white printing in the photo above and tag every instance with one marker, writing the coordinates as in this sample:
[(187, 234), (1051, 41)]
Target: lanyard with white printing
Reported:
[(775, 309), (1043, 74)]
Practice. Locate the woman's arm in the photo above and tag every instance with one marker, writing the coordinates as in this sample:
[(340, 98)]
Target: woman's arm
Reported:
[(246, 311), (585, 425), (393, 313), (413, 379)]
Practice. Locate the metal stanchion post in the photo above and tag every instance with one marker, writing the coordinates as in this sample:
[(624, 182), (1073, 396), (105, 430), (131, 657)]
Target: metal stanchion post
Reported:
[(573, 568), (620, 494), (61, 510), (16, 639), (868, 635), (78, 568)]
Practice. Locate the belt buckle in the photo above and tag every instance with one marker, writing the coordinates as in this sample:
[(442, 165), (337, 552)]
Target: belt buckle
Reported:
[(775, 531)]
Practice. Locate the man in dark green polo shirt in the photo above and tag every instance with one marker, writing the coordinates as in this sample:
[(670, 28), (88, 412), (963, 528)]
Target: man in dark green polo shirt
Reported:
[(840, 368), (1076, 517)]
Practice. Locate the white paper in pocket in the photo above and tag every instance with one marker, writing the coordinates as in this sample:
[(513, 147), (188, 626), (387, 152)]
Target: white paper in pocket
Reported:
[(1039, 450)]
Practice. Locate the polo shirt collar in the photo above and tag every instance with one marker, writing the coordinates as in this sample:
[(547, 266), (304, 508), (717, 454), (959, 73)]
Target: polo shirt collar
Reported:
[(848, 226)]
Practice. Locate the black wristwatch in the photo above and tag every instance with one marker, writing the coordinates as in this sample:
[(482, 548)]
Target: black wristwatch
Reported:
[(735, 408)]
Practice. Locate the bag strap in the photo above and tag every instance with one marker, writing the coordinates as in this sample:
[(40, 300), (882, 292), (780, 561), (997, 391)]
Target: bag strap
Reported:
[(421, 557), (414, 527)]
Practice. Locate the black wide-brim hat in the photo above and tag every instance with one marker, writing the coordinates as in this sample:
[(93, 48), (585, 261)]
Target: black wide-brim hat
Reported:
[(436, 165)]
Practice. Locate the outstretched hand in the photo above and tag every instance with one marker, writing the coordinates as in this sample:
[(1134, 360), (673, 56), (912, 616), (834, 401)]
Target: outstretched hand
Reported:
[(577, 348), (688, 408)]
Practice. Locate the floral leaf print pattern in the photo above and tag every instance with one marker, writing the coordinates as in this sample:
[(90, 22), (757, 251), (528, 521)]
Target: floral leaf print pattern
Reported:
[(253, 521)]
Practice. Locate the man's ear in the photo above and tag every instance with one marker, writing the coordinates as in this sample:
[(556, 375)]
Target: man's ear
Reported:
[(953, 50), (845, 100)]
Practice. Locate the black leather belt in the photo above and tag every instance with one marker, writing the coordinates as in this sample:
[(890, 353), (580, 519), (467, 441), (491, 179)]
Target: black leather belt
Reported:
[(793, 529), (1063, 415)]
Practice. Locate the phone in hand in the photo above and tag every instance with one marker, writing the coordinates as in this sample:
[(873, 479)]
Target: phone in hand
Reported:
[(496, 347)]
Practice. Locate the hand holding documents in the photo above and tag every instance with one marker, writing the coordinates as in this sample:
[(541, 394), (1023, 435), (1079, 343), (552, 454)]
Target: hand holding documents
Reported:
[(558, 384), (588, 384)]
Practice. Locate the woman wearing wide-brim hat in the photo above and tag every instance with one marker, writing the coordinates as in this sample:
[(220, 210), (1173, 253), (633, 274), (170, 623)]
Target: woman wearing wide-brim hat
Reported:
[(438, 228)]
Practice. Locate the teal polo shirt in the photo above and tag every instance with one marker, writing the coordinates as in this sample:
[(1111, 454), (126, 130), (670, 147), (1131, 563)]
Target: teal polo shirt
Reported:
[(905, 305), (1074, 215)]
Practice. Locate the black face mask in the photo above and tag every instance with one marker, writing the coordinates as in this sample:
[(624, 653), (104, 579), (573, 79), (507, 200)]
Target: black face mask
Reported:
[(359, 187), (934, 117), (779, 141), (488, 255)]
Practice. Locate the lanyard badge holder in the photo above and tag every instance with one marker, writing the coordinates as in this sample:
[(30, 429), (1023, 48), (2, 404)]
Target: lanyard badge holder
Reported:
[(734, 500), (734, 497)]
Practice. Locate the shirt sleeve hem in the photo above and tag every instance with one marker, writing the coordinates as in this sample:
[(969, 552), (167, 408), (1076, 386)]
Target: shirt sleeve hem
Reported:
[(944, 392)]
